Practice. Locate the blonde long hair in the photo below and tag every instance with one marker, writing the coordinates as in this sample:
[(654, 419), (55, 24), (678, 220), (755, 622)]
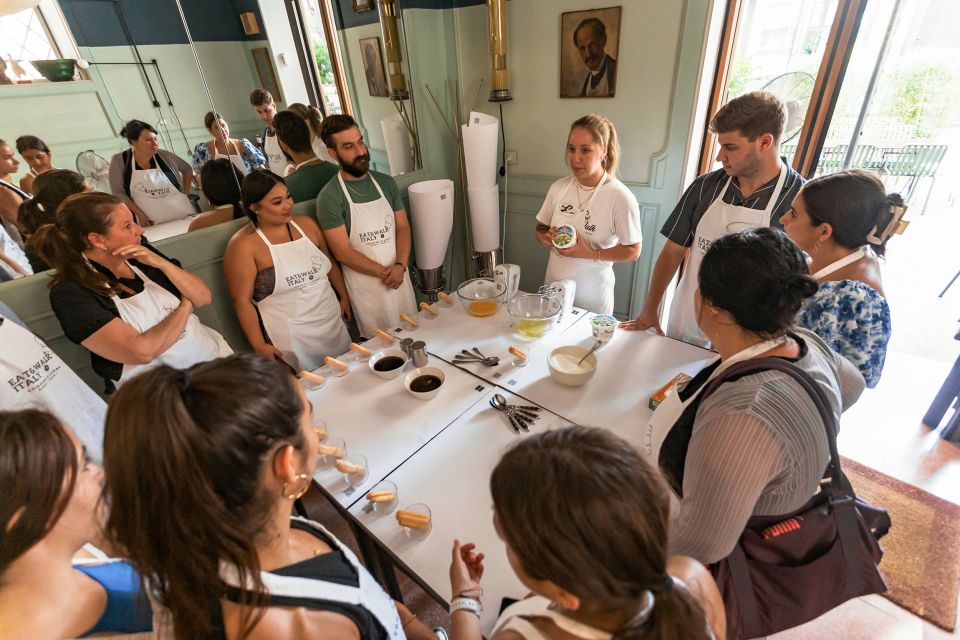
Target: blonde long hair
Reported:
[(604, 134)]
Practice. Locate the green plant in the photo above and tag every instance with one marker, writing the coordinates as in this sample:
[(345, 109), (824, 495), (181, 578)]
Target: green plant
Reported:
[(925, 98), (322, 54), (740, 75)]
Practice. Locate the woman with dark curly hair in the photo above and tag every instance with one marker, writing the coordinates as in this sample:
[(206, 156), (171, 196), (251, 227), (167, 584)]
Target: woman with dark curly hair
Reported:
[(757, 445)]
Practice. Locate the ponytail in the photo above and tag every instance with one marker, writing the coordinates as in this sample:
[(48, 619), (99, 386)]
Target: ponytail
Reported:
[(310, 114), (604, 134), (674, 614), (185, 453), (50, 188), (857, 207), (62, 244)]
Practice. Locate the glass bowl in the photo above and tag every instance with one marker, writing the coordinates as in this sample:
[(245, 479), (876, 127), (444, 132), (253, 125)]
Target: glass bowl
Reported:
[(534, 314), (481, 296)]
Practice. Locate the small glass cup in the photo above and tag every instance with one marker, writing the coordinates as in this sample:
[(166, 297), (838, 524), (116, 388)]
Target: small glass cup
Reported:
[(354, 478), (517, 361), (326, 371), (418, 533), (320, 428), (383, 506), (312, 385), (331, 451), (445, 300), (357, 356)]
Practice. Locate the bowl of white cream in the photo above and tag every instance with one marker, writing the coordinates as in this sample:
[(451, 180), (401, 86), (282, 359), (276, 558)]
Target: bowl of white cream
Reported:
[(564, 367)]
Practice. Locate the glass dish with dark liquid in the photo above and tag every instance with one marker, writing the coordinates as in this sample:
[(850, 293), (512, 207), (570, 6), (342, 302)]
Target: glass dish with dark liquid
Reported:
[(423, 384), (389, 363)]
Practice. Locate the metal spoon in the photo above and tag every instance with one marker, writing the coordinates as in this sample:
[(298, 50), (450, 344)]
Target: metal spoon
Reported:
[(596, 345), (501, 405), (499, 402)]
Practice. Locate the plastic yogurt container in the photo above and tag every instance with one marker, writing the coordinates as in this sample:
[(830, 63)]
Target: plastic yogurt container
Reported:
[(566, 237), (603, 327)]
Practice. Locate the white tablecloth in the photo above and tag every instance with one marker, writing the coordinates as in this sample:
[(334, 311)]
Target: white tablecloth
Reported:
[(381, 420), (451, 475)]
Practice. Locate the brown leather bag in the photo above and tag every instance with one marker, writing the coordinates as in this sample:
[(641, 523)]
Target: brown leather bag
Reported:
[(789, 569)]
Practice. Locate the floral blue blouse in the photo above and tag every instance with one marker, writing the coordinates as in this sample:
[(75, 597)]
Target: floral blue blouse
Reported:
[(854, 319), (252, 157)]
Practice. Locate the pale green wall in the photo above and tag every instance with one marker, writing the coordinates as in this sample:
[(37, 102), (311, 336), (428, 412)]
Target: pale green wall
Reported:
[(73, 116), (660, 49)]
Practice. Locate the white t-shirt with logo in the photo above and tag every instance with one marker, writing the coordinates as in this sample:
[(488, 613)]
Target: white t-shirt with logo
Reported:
[(612, 217)]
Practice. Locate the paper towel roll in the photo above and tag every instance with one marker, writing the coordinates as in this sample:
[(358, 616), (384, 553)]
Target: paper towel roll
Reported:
[(485, 217), (397, 140), (431, 209), (480, 149)]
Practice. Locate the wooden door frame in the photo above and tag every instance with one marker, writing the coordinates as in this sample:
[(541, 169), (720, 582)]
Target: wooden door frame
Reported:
[(826, 90)]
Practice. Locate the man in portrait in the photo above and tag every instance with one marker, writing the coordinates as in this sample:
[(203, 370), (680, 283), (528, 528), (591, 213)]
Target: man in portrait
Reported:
[(376, 81), (590, 38)]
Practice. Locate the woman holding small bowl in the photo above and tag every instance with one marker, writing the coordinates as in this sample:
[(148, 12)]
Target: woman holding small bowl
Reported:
[(590, 220)]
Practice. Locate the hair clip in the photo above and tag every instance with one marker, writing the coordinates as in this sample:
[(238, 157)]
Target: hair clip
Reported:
[(894, 226)]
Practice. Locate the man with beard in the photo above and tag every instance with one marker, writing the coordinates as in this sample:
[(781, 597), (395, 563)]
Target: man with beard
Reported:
[(754, 188), (365, 225)]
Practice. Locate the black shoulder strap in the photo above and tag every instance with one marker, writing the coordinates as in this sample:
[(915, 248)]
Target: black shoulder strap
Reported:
[(839, 483)]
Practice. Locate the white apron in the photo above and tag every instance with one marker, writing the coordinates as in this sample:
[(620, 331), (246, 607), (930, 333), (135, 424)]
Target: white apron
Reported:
[(237, 160), (839, 264), (152, 191), (373, 234), (148, 308), (594, 278), (302, 313), (33, 376), (719, 220), (670, 410), (368, 595), (276, 161)]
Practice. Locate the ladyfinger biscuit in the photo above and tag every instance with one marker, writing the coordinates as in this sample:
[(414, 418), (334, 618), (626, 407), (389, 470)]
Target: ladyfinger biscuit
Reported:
[(350, 468), (445, 297), (330, 450), (383, 335), (426, 307), (359, 349), (518, 352), (407, 318), (312, 377), (413, 516), (338, 364), (380, 496), (412, 524)]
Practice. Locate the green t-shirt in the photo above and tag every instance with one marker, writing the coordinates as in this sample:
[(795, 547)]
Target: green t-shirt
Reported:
[(333, 210), (307, 181)]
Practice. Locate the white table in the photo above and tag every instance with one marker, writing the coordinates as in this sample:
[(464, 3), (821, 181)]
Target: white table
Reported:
[(451, 475), (455, 329), (380, 420), (630, 368), (166, 230)]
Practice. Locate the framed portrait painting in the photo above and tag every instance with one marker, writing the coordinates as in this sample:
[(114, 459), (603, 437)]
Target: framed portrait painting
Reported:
[(589, 48), (373, 67)]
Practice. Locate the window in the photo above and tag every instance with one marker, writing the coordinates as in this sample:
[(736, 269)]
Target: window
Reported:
[(24, 37), (40, 33)]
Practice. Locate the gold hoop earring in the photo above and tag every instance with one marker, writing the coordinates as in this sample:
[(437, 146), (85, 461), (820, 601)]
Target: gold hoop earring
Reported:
[(299, 494)]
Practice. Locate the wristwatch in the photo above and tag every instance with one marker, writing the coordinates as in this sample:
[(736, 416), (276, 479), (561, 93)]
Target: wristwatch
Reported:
[(468, 604)]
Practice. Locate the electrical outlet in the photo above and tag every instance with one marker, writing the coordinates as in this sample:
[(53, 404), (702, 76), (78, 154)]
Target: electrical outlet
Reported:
[(511, 156)]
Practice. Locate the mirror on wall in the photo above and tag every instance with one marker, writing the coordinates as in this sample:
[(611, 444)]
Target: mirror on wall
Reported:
[(130, 67)]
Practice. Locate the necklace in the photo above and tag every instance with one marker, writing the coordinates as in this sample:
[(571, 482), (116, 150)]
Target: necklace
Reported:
[(351, 189), (588, 190)]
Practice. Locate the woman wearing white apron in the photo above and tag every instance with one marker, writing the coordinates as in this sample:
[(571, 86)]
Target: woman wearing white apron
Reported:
[(37, 378), (757, 445), (122, 300), (719, 220), (244, 155), (843, 221), (153, 182), (601, 209), (249, 422), (277, 267)]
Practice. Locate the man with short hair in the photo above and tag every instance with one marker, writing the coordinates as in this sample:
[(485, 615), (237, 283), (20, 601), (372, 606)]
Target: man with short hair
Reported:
[(310, 174), (266, 108), (365, 225), (755, 187), (590, 38)]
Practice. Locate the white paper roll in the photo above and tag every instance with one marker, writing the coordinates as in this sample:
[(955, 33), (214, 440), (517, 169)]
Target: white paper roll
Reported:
[(485, 217), (397, 140), (431, 209), (480, 149)]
